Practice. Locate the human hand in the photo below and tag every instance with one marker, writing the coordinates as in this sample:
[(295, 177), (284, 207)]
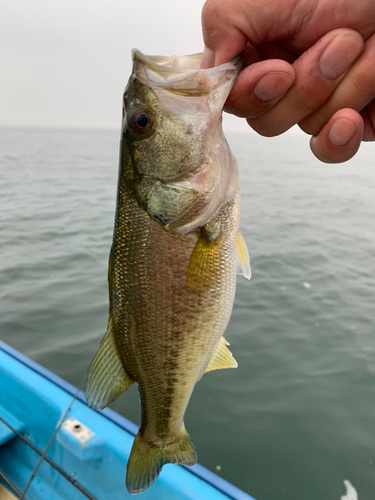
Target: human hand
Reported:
[(313, 70)]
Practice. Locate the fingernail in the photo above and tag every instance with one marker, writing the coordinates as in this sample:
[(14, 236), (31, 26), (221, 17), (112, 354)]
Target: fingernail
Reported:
[(339, 55), (272, 85), (341, 132), (208, 58)]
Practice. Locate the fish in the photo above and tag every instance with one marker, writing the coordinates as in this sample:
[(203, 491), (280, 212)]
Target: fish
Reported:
[(176, 249)]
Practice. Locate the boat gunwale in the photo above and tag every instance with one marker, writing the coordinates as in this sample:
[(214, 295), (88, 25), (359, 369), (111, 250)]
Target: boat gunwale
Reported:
[(198, 470)]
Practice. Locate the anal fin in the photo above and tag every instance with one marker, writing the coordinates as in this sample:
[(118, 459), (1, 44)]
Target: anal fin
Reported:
[(222, 357), (106, 378), (243, 258)]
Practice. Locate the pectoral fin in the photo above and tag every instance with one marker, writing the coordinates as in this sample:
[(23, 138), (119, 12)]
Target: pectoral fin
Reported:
[(106, 378), (222, 357), (204, 264), (243, 258)]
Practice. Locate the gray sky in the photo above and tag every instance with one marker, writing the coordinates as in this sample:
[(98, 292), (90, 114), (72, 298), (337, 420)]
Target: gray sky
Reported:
[(66, 62)]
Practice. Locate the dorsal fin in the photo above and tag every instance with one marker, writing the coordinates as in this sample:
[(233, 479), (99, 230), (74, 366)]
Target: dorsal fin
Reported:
[(222, 357), (243, 258), (106, 378)]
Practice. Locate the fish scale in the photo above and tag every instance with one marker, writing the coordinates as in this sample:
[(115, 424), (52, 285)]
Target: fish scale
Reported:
[(172, 269)]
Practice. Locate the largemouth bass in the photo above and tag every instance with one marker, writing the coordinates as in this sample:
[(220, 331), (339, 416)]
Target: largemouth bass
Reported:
[(176, 247)]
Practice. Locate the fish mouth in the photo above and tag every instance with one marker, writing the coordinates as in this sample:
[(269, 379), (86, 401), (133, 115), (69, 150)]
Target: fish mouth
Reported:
[(181, 75), (175, 64)]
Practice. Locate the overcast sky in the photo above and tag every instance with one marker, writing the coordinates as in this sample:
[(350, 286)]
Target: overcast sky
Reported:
[(66, 62)]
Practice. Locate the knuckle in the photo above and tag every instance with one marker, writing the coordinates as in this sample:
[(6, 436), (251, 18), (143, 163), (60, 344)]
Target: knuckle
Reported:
[(207, 11), (213, 22), (313, 123), (213, 12), (308, 98), (265, 128)]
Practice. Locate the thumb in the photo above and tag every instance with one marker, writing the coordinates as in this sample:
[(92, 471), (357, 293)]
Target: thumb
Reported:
[(228, 25), (222, 36)]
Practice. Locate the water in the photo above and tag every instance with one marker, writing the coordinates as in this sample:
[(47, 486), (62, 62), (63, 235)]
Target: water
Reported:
[(297, 417)]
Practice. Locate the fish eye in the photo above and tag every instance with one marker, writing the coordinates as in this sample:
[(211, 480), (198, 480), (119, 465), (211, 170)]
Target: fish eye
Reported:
[(141, 121)]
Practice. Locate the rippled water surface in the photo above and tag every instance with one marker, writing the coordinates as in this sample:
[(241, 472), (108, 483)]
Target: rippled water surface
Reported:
[(298, 415)]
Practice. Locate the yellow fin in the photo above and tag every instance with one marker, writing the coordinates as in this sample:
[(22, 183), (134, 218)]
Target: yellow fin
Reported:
[(147, 459), (106, 378), (222, 357), (204, 264), (243, 258)]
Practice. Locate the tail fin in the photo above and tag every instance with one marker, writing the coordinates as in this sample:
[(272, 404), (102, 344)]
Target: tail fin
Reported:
[(147, 459)]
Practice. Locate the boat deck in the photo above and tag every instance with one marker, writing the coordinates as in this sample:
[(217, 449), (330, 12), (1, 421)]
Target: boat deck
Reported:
[(6, 494)]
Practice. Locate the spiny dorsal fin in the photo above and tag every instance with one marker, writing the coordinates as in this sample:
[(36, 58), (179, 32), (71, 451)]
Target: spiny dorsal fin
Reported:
[(243, 258), (106, 378), (222, 357), (204, 264)]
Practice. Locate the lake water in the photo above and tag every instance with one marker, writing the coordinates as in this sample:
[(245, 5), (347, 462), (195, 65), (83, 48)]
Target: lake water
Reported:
[(297, 417)]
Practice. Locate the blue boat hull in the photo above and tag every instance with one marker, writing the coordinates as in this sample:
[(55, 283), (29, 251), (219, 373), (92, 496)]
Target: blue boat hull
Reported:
[(33, 402)]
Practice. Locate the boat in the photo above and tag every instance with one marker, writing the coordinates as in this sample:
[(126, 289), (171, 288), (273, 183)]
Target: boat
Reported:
[(54, 447)]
